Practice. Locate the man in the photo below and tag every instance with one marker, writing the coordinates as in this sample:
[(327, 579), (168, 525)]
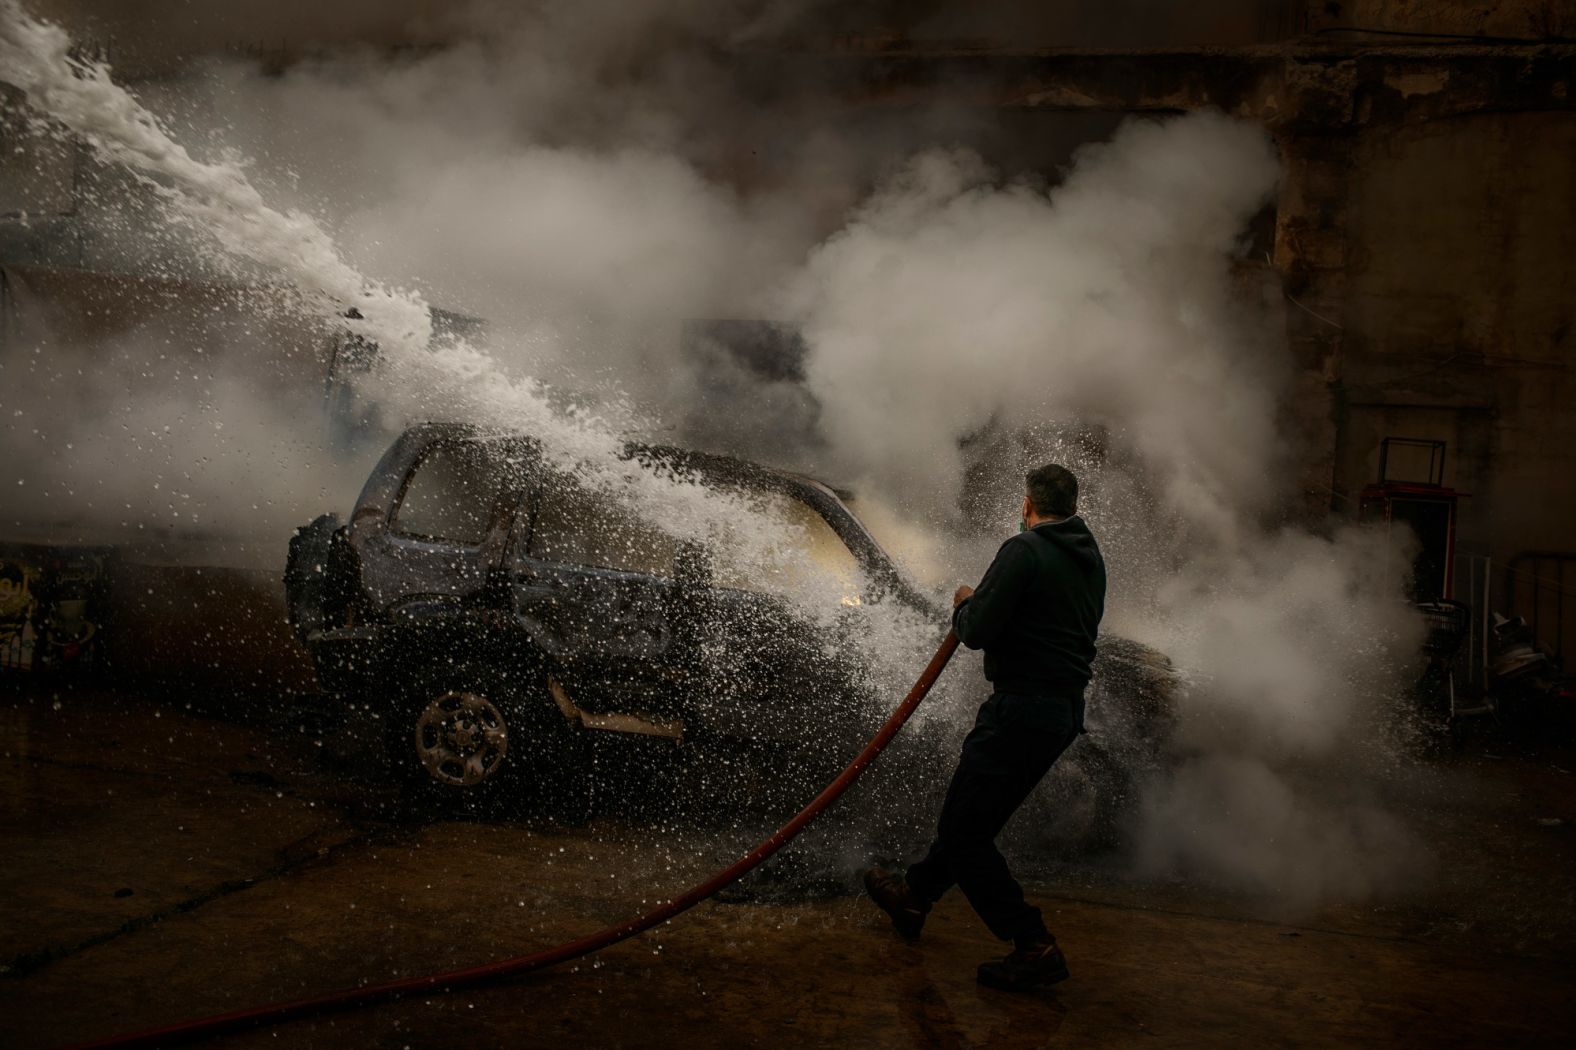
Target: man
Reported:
[(1036, 614)]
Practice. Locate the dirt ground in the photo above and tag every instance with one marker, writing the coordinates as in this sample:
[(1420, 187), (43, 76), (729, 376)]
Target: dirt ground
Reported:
[(163, 863)]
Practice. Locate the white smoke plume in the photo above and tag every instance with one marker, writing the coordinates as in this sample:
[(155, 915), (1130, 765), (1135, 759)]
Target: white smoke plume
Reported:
[(955, 305), (135, 443)]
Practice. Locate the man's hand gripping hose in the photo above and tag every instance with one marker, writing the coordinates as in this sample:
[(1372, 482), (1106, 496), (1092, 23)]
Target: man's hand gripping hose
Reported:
[(456, 979)]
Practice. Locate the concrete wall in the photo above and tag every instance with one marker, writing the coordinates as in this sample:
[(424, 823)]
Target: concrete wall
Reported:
[(1437, 257), (1495, 18), (1452, 282), (1461, 316)]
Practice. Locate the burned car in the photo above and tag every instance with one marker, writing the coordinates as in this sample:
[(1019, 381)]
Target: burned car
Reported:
[(492, 610)]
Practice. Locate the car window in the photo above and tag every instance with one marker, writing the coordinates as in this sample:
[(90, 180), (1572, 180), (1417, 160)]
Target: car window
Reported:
[(819, 557), (576, 527), (450, 495)]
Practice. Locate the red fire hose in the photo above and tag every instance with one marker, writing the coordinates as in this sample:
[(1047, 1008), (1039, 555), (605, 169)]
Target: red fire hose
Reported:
[(447, 982)]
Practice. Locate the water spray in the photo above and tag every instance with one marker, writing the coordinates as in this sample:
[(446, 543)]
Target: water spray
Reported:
[(454, 980)]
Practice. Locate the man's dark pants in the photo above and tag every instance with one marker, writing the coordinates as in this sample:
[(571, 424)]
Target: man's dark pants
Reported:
[(1015, 739)]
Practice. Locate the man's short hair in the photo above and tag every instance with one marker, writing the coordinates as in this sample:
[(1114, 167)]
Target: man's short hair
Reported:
[(1053, 490)]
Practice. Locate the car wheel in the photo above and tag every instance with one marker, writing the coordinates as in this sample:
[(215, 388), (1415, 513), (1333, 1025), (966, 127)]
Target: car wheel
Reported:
[(473, 742), (461, 738)]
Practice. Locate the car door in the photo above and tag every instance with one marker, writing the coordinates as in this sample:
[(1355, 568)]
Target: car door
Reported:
[(770, 672), (448, 524), (594, 586)]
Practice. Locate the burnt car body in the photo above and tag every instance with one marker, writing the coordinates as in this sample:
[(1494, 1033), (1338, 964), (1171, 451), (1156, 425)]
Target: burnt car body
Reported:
[(491, 610)]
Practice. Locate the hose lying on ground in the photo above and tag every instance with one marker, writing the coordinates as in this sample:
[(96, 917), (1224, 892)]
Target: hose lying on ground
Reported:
[(448, 982)]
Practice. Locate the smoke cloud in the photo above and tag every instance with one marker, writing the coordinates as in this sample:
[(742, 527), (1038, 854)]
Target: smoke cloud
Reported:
[(963, 306), (174, 433)]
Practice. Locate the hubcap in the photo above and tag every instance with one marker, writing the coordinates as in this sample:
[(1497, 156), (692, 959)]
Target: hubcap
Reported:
[(461, 739)]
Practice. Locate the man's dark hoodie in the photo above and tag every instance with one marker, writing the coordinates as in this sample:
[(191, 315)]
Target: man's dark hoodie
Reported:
[(1038, 609)]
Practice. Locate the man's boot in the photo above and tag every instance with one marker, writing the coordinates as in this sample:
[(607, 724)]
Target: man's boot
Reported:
[(906, 908), (1030, 965)]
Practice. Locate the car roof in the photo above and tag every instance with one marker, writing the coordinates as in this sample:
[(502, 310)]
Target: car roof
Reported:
[(716, 464)]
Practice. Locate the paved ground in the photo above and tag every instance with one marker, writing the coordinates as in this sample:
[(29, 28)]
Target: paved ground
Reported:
[(162, 863)]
